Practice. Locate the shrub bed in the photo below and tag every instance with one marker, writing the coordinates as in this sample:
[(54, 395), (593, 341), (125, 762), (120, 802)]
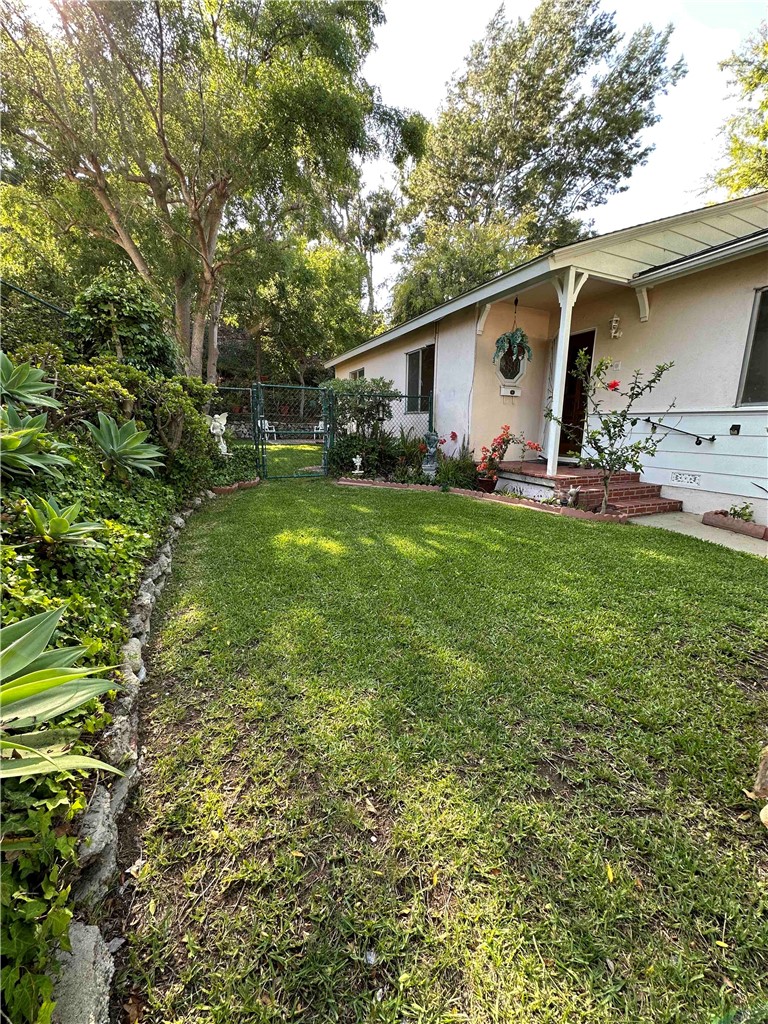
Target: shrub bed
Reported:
[(52, 457)]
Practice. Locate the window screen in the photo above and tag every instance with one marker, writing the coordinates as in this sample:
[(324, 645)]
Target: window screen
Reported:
[(754, 386)]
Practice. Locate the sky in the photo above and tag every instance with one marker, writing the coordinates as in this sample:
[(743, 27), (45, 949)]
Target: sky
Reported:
[(424, 42)]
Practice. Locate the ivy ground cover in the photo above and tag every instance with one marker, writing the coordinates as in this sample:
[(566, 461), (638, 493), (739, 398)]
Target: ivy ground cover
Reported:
[(415, 758)]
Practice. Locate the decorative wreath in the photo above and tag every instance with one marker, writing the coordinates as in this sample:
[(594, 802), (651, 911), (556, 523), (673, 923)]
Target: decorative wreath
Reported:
[(517, 343)]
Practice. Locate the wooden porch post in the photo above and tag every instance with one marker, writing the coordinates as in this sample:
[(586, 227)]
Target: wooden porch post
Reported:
[(568, 287)]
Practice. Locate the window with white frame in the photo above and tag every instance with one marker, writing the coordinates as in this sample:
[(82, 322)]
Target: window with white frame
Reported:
[(420, 378), (357, 374), (753, 389)]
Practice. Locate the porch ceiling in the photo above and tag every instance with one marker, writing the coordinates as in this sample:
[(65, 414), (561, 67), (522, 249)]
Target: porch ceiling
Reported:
[(543, 295)]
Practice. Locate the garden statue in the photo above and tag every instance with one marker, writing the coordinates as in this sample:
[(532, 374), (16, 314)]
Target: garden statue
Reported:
[(573, 496), (358, 461), (429, 462), (217, 425)]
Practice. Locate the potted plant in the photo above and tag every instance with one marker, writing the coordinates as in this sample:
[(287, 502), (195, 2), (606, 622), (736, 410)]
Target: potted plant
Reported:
[(488, 467)]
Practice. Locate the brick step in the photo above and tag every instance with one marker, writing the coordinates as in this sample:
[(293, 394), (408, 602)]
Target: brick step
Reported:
[(590, 496), (594, 481), (647, 506), (624, 488)]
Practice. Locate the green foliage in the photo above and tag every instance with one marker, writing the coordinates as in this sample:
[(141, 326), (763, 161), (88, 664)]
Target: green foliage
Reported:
[(261, 105), (745, 512), (55, 525), (96, 583), (26, 448), (38, 686), (310, 308), (361, 404), (510, 162), (746, 167), (124, 448), (457, 470), (380, 454), (242, 463), (24, 383), (117, 315), (606, 443)]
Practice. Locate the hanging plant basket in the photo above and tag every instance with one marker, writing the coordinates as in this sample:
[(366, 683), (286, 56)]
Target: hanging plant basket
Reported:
[(516, 343)]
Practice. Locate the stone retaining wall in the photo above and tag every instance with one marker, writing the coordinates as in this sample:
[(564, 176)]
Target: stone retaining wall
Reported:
[(83, 986)]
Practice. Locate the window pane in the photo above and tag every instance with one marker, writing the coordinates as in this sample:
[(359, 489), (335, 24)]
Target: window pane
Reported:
[(427, 382), (414, 373), (756, 377), (509, 365)]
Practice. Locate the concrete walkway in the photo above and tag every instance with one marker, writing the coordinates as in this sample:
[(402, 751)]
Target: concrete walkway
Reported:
[(692, 526)]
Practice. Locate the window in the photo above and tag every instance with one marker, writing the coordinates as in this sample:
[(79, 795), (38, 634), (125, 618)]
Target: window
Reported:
[(754, 375), (357, 374), (420, 378)]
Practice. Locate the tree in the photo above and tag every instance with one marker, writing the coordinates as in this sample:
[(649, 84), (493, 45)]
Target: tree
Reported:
[(181, 121), (546, 121), (309, 309), (607, 445), (746, 169)]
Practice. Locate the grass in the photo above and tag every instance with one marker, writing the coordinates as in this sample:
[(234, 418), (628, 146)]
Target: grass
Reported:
[(411, 758)]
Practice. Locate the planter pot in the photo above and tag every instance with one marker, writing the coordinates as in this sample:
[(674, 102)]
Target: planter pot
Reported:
[(735, 525), (487, 486)]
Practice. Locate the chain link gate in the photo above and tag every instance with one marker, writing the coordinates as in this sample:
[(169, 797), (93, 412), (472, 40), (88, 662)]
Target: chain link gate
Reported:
[(293, 430)]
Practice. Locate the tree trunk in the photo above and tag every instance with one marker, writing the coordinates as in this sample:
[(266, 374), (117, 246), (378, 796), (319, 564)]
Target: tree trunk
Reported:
[(183, 313), (606, 488), (369, 285), (197, 343), (211, 376)]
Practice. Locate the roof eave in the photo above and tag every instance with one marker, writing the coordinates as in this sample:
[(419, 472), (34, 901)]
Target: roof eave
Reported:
[(529, 274), (702, 261)]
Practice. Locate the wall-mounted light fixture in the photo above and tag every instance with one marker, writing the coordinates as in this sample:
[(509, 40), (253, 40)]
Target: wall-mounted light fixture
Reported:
[(735, 429), (615, 321)]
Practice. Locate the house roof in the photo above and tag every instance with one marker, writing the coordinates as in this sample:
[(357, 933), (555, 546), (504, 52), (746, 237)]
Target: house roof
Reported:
[(639, 255), (756, 241)]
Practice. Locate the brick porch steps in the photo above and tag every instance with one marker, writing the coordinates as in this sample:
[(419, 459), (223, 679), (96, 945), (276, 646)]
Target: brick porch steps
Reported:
[(628, 494)]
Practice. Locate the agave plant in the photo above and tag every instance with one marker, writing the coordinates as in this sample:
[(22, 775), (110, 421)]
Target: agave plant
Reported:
[(24, 383), (37, 686), (124, 448), (55, 525), (20, 445)]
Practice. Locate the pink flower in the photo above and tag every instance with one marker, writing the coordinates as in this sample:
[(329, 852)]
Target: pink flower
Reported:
[(454, 436), (534, 446), (613, 385)]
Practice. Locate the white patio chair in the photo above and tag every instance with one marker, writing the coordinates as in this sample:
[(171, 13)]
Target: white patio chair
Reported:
[(318, 432), (267, 430)]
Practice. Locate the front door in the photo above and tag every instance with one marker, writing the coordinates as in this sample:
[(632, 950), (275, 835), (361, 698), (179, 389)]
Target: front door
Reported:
[(574, 399)]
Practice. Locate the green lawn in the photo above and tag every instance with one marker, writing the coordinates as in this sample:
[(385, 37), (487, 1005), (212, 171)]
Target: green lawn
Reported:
[(411, 757)]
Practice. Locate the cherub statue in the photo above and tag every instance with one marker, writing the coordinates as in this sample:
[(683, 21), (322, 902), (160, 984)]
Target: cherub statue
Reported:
[(217, 425), (429, 462)]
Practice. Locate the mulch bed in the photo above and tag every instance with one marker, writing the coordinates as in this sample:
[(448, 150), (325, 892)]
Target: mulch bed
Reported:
[(500, 499)]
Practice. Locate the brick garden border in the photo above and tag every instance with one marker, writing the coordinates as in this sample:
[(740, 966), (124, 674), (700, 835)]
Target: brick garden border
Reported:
[(726, 522), (497, 498)]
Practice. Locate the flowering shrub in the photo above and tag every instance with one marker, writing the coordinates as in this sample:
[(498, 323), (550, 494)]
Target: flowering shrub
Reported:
[(529, 446), (488, 468), (607, 443)]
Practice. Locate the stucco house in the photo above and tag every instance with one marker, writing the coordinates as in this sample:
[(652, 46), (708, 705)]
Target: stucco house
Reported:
[(692, 288)]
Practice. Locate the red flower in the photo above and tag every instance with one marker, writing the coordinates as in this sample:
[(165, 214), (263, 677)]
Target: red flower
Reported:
[(441, 441), (613, 385), (454, 436), (422, 448), (534, 446)]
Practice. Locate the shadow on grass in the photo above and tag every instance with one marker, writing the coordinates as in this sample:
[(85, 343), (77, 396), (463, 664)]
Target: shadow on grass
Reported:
[(415, 758)]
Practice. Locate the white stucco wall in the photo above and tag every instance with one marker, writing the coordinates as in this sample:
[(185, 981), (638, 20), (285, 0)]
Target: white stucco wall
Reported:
[(454, 358), (490, 409)]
